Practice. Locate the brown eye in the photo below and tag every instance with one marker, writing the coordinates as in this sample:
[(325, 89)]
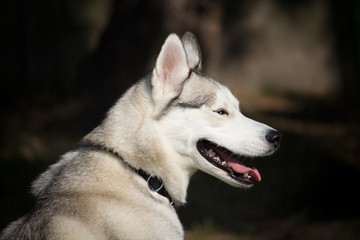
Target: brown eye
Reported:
[(221, 112)]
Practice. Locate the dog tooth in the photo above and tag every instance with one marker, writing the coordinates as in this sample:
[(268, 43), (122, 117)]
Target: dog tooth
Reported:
[(210, 152)]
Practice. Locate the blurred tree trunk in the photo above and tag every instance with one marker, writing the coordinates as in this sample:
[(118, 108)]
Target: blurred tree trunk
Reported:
[(346, 21)]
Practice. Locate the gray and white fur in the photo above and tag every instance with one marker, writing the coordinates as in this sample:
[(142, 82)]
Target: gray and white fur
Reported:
[(170, 124)]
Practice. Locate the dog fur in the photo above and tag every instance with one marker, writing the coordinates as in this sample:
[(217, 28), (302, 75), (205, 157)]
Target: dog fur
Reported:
[(159, 126)]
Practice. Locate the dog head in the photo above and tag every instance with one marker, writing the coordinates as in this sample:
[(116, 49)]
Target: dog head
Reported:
[(200, 118)]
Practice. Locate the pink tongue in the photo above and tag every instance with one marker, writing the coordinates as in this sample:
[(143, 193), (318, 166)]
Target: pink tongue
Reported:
[(254, 173)]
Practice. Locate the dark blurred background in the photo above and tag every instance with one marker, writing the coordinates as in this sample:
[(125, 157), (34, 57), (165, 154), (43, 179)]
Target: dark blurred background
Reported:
[(293, 64)]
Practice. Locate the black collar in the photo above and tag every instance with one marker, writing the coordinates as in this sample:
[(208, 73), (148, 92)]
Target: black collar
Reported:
[(154, 183)]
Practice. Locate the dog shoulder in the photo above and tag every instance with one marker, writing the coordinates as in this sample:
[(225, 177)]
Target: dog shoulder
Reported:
[(43, 181)]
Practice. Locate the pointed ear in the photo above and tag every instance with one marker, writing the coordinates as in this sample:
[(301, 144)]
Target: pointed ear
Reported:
[(192, 49), (169, 74)]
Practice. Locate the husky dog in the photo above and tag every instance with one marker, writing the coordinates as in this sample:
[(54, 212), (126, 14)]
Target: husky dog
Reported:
[(129, 173)]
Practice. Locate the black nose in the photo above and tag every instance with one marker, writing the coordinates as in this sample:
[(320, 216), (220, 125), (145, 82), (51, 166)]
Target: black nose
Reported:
[(274, 137)]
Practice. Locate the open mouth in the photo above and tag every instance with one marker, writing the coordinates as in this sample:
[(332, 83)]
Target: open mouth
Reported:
[(228, 161)]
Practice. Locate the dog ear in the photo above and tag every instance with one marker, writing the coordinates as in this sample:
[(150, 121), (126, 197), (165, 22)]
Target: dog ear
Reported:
[(192, 49), (169, 74)]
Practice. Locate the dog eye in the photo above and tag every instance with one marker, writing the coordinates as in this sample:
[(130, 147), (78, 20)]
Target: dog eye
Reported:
[(221, 112)]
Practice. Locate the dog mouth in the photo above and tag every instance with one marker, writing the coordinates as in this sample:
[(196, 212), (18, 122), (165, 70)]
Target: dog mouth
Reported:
[(228, 161)]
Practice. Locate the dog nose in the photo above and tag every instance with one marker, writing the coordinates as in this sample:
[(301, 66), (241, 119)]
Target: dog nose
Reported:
[(274, 137)]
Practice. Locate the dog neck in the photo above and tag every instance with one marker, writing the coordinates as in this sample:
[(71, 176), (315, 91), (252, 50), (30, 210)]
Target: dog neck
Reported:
[(154, 183), (130, 131)]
